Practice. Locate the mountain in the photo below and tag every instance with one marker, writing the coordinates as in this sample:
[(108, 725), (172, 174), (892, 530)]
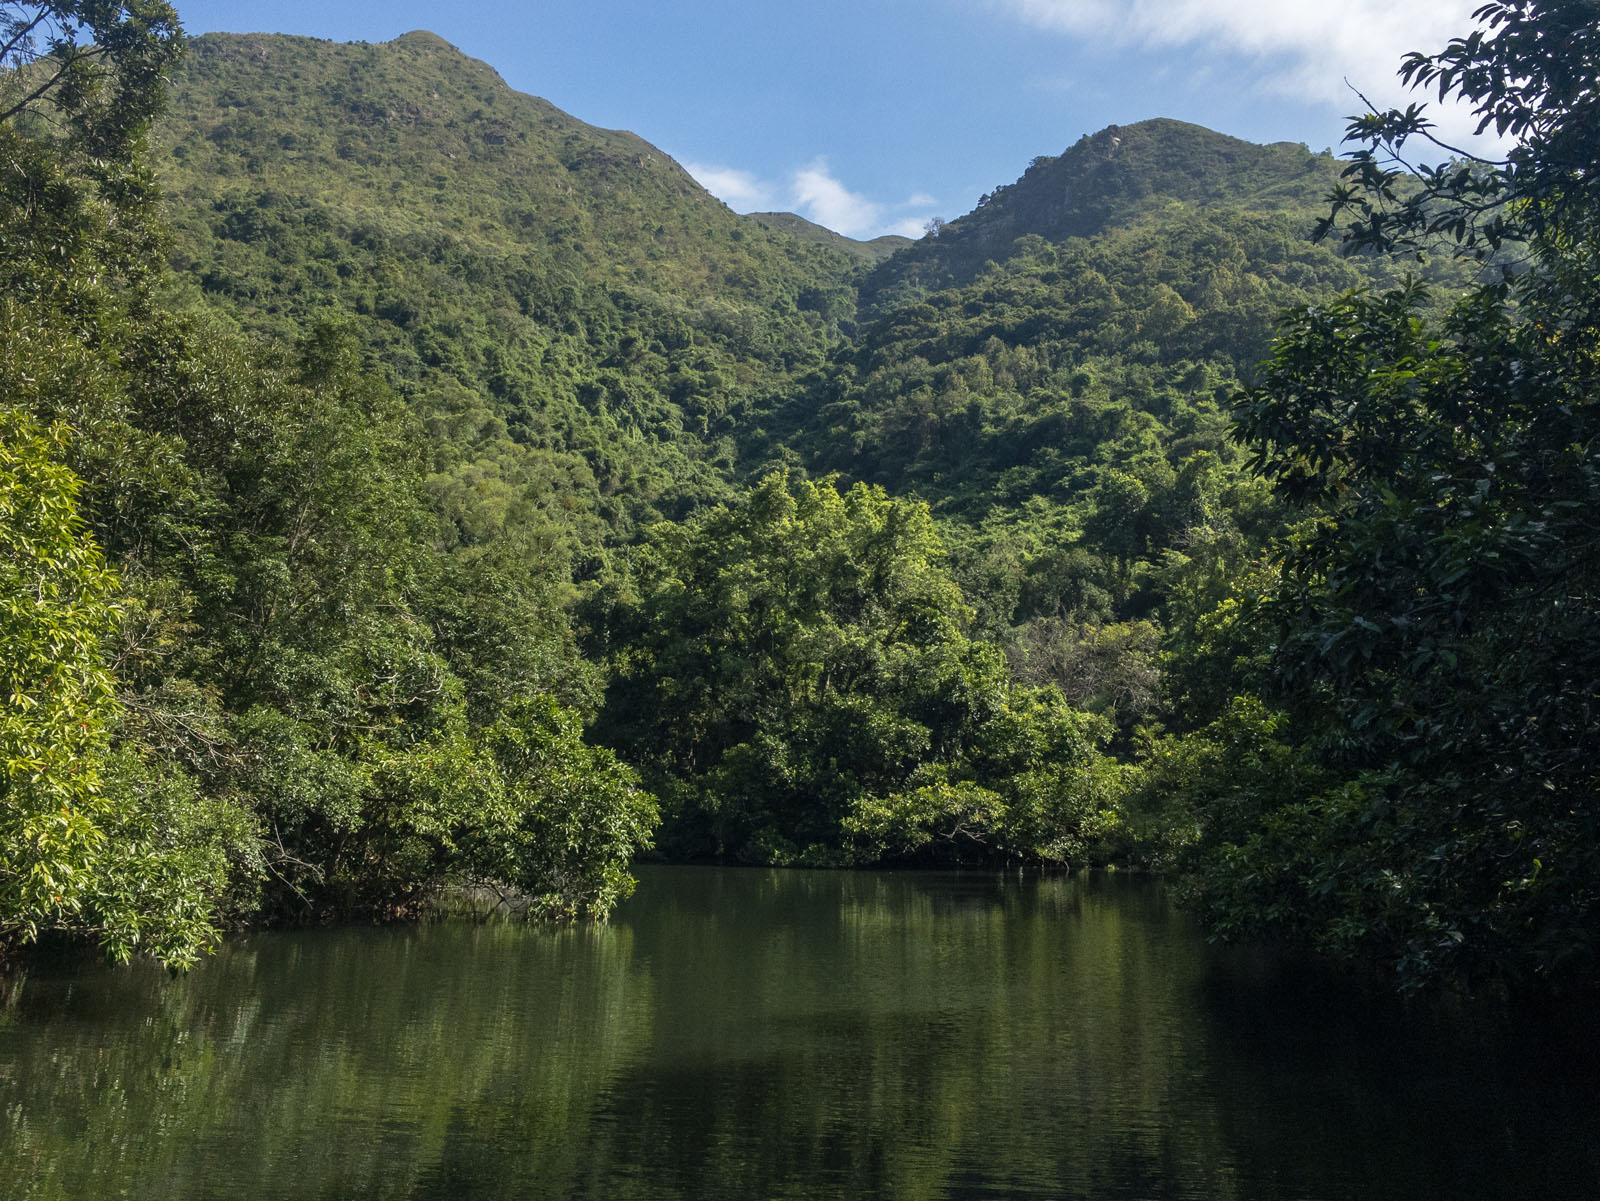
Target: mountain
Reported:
[(586, 330), (565, 301), (1095, 315), (596, 342), (1112, 177), (430, 140), (872, 251), (464, 436)]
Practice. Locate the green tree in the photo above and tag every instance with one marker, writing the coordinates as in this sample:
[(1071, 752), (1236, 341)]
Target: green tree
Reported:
[(101, 64), (99, 840), (55, 606), (796, 676), (1437, 622), (93, 843), (307, 698)]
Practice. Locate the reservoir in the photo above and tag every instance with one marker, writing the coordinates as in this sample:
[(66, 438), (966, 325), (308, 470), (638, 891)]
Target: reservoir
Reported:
[(754, 1033)]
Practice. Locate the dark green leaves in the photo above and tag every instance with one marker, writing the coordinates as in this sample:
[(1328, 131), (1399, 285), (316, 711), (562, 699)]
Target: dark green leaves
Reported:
[(1436, 623)]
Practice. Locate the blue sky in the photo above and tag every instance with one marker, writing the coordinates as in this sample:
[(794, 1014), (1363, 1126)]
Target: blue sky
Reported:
[(870, 116)]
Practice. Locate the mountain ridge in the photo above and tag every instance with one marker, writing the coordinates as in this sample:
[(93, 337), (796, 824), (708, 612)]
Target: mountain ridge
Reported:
[(504, 264), (606, 313), (1106, 179), (870, 250)]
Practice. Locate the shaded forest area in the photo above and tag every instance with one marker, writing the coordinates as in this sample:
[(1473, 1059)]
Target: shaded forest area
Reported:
[(407, 488)]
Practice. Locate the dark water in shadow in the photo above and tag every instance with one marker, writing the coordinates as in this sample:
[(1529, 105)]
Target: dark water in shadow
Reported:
[(765, 1034)]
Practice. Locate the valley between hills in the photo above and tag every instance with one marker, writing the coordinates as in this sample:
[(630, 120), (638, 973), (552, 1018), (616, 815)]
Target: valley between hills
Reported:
[(438, 494)]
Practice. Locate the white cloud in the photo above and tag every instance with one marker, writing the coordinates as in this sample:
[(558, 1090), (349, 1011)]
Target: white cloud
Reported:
[(818, 195), (1302, 50), (739, 190), (821, 197), (910, 227)]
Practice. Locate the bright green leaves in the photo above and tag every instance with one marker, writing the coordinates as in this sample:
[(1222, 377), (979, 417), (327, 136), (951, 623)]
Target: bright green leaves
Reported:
[(308, 681), (576, 815), (797, 676), (56, 600), (370, 683), (778, 656), (94, 844)]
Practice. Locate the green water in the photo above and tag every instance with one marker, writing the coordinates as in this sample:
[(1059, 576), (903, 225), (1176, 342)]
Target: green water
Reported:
[(764, 1034)]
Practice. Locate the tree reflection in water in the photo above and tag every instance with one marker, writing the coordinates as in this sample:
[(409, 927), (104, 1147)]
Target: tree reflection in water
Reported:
[(758, 1033)]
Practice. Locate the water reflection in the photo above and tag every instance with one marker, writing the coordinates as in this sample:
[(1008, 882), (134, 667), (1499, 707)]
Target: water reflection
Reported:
[(776, 1034)]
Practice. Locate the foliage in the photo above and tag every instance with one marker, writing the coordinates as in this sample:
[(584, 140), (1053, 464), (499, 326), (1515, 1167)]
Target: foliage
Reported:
[(1436, 625), (96, 64), (580, 814), (1066, 413), (795, 672), (270, 720), (55, 605), (438, 369), (95, 843), (1527, 74), (573, 317), (323, 635)]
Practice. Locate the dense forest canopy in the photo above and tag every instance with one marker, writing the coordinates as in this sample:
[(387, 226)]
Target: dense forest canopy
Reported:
[(409, 488)]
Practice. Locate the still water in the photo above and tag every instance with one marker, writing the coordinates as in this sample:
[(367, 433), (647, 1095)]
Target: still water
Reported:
[(768, 1034)]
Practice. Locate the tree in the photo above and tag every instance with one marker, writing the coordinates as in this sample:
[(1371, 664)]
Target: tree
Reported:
[(92, 844), (796, 678), (1528, 73), (300, 703), (80, 82), (55, 606), (98, 63), (1438, 623), (97, 841)]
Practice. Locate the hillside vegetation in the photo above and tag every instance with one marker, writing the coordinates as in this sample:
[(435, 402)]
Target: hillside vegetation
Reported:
[(564, 304), (447, 493), (873, 250)]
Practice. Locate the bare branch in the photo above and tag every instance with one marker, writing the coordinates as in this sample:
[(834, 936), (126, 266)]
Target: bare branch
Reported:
[(1454, 151)]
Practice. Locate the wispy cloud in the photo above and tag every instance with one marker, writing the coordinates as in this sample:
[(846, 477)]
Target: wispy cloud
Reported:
[(822, 197), (739, 190), (817, 194), (909, 227), (1304, 51)]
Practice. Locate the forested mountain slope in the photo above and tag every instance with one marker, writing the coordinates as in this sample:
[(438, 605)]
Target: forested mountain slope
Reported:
[(1140, 272), (592, 336), (564, 304), (1054, 373), (871, 251), (595, 343), (1109, 178)]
